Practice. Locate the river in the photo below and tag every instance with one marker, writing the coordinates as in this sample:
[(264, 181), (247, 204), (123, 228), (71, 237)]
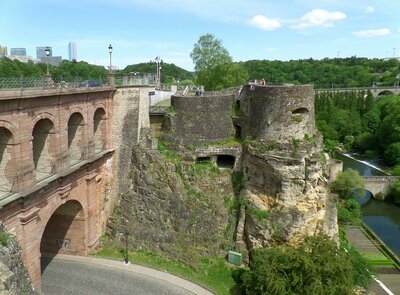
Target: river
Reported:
[(382, 217)]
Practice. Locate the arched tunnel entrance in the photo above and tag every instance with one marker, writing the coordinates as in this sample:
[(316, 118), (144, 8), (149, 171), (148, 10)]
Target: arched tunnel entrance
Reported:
[(226, 161), (65, 231)]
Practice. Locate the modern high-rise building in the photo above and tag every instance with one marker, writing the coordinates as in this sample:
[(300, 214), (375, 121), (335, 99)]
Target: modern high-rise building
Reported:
[(3, 51), (41, 52), (18, 51), (72, 51)]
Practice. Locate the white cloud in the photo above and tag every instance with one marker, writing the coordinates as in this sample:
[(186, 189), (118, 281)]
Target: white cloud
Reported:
[(369, 9), (319, 18), (372, 33), (264, 23)]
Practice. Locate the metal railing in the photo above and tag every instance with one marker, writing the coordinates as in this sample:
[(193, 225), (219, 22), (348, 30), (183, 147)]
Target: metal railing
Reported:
[(48, 82)]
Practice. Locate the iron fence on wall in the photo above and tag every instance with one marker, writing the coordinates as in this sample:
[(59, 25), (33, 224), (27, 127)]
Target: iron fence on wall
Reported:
[(49, 82)]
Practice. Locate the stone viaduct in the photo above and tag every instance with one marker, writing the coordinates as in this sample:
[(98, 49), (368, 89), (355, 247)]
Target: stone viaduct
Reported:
[(375, 91), (60, 151)]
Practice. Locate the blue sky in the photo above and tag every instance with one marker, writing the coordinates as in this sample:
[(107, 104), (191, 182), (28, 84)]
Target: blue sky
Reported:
[(140, 30)]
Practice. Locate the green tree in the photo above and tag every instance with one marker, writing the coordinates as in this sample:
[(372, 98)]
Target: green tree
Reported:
[(346, 182), (392, 154), (319, 266), (213, 65), (394, 193)]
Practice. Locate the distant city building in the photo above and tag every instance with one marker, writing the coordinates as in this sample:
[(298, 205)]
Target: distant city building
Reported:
[(21, 58), (18, 51), (72, 51), (41, 52), (3, 51)]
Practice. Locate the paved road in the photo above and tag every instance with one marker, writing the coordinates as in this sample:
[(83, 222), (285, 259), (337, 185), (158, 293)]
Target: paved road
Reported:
[(86, 276)]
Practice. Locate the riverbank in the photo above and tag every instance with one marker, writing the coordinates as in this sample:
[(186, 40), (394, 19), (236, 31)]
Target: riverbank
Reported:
[(387, 279)]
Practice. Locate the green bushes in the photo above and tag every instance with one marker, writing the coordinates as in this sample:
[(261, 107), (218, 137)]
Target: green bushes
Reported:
[(4, 238), (317, 267), (349, 212)]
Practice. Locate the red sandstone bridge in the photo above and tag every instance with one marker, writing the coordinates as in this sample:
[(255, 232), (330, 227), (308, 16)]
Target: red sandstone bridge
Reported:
[(54, 147), (375, 91), (59, 165)]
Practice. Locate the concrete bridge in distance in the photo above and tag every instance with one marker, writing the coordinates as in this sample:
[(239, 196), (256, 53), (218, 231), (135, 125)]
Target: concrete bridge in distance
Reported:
[(379, 185), (375, 91)]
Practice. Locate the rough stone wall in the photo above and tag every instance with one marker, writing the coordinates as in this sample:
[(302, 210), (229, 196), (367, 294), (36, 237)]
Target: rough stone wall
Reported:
[(131, 116), (275, 111), (174, 209), (284, 185), (200, 119), (14, 278)]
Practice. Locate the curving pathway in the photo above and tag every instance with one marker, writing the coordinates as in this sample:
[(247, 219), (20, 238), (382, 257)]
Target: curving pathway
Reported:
[(65, 274)]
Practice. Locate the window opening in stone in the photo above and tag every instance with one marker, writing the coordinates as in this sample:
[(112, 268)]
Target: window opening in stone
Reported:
[(300, 111), (238, 131), (226, 161)]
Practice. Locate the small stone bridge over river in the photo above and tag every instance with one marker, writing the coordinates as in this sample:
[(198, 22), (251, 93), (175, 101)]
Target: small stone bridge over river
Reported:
[(375, 91), (379, 184)]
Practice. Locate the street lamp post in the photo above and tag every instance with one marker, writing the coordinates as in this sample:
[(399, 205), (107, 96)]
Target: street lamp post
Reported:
[(110, 75), (47, 51), (110, 49), (158, 72), (126, 260)]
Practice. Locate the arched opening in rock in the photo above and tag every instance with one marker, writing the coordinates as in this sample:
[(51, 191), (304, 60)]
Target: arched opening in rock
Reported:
[(76, 139), (226, 161), (41, 145), (5, 159)]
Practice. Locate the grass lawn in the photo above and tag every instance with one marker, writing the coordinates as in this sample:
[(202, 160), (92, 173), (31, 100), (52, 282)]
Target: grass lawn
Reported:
[(214, 274)]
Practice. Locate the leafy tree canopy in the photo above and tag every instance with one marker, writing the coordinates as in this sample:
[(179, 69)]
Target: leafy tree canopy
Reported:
[(213, 65), (346, 182)]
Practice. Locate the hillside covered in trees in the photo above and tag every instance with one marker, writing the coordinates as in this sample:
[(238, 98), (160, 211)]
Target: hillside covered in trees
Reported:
[(169, 72), (67, 70), (325, 73)]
